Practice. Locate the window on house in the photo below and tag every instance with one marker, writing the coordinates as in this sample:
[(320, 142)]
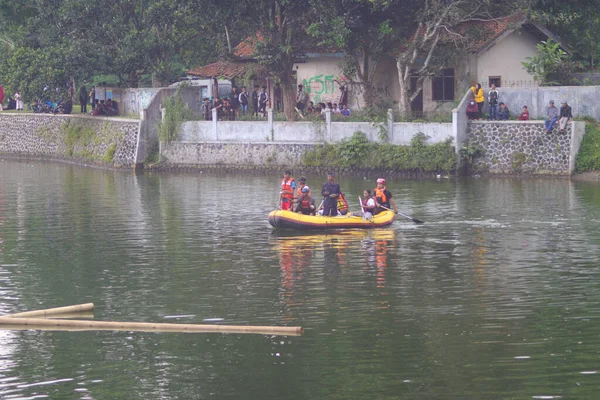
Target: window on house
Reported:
[(442, 86), (496, 80)]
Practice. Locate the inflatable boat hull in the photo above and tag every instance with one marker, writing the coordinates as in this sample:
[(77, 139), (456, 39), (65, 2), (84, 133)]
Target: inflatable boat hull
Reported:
[(291, 220)]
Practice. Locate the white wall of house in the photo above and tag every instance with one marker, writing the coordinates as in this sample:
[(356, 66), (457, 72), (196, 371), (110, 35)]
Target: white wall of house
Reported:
[(387, 87), (504, 60), (318, 75)]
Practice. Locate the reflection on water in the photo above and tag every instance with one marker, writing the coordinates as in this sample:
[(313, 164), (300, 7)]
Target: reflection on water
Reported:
[(495, 296)]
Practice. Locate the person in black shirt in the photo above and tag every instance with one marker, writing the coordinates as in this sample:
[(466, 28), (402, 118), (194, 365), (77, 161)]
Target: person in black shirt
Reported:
[(255, 101), (330, 191), (234, 100), (278, 97), (263, 99)]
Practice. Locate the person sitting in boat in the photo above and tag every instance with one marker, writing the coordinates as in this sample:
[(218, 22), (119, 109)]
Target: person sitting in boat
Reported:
[(330, 191), (342, 204), (288, 187), (301, 185), (306, 204), (368, 204), (383, 197)]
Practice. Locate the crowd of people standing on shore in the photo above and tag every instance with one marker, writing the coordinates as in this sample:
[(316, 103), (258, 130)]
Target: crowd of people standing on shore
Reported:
[(242, 103)]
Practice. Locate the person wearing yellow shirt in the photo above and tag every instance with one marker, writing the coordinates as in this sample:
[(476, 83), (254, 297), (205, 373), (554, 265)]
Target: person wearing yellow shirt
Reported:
[(479, 97)]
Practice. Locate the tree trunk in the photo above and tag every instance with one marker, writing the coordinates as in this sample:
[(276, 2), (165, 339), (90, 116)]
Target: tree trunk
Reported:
[(369, 94), (404, 103), (289, 95), (133, 80), (228, 39)]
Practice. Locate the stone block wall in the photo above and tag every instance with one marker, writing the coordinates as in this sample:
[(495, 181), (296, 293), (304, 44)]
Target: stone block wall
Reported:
[(524, 147), (249, 155), (106, 141)]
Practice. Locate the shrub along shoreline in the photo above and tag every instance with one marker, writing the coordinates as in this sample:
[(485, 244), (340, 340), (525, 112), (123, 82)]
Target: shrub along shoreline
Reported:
[(358, 152)]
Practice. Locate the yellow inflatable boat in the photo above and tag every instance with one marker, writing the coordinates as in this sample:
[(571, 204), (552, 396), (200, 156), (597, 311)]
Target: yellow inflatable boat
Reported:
[(291, 220)]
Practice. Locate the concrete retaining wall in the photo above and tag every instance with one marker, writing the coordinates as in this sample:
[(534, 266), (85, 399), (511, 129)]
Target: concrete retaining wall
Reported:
[(309, 132), (107, 141), (525, 147)]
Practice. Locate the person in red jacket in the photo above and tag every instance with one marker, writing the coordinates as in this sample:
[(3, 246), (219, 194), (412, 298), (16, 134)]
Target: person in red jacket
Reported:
[(306, 204), (524, 114)]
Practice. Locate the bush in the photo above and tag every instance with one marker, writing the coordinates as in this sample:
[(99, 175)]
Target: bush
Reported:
[(177, 112), (588, 158), (357, 151)]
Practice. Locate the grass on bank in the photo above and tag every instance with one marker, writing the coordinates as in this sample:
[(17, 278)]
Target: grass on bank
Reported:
[(588, 158)]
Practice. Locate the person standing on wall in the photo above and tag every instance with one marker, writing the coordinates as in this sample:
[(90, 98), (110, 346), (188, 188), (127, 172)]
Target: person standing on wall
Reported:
[(243, 99), (278, 97), (255, 101), (479, 97), (493, 97), (234, 101), (83, 98), (288, 187), (93, 96), (19, 100), (1, 98), (330, 192), (263, 99)]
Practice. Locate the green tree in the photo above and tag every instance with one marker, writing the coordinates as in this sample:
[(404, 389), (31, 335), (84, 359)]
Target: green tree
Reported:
[(358, 29), (550, 61), (31, 71), (577, 22), (281, 38)]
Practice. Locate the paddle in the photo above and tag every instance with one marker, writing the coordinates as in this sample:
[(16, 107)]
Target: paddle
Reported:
[(416, 221)]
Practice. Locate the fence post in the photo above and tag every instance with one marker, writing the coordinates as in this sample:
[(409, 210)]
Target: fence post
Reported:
[(214, 123), (270, 130), (328, 123), (390, 125)]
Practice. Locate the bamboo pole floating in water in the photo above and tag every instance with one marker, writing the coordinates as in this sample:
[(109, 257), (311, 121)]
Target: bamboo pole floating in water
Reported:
[(77, 308), (67, 325)]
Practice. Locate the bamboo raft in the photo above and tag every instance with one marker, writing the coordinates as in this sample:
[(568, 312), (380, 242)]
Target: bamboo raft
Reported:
[(51, 319)]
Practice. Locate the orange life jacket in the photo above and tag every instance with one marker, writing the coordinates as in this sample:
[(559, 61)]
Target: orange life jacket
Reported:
[(305, 203), (286, 186), (342, 204), (380, 196)]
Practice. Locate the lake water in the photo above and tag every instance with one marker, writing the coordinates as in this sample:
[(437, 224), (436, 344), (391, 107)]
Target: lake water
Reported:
[(496, 296)]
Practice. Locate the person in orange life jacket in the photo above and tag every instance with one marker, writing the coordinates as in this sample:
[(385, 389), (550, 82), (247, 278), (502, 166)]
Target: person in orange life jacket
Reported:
[(288, 187), (306, 204), (330, 191), (383, 197), (301, 185), (342, 204), (368, 204)]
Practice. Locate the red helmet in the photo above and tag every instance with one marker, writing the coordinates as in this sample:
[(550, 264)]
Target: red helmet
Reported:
[(381, 180)]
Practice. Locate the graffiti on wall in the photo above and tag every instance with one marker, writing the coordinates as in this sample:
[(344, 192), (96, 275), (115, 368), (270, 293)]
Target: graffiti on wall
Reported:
[(321, 88)]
